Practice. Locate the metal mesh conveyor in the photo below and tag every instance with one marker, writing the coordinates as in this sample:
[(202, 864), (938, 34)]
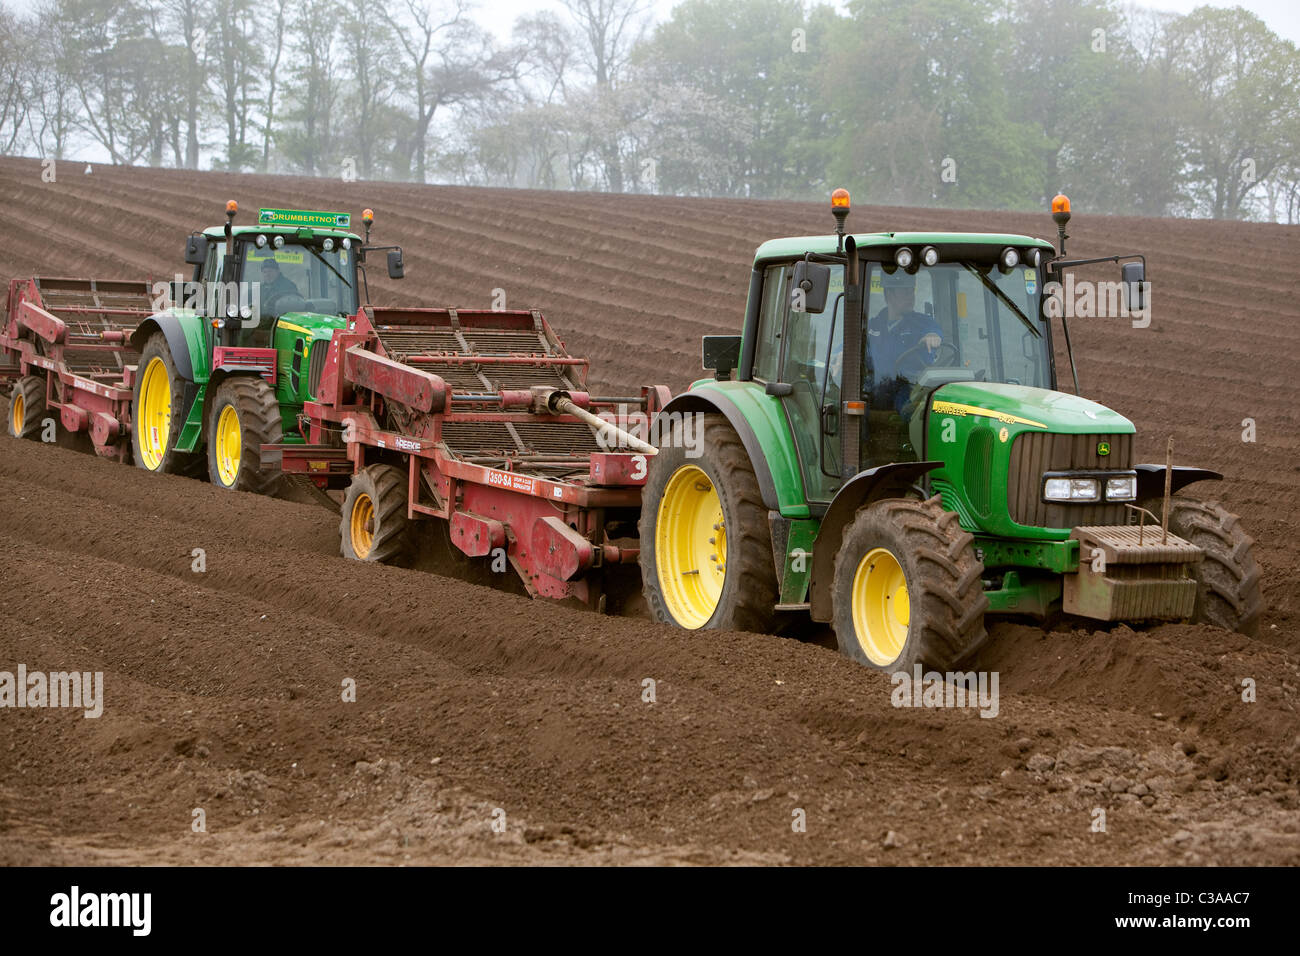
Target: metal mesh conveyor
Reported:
[(474, 358), (95, 312)]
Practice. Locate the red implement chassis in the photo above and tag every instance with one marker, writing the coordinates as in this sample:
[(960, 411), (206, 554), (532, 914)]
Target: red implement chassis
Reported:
[(489, 419), (71, 337)]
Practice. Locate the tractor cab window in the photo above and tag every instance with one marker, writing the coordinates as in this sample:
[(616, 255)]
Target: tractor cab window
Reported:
[(771, 322), (811, 364), (800, 349), (954, 322), (301, 277)]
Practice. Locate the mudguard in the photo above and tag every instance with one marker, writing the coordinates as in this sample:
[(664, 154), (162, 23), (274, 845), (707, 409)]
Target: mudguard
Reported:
[(1151, 479), (711, 400), (185, 339), (183, 336), (885, 481)]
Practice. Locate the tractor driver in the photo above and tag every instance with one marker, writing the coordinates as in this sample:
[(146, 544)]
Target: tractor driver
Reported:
[(896, 332), (275, 285)]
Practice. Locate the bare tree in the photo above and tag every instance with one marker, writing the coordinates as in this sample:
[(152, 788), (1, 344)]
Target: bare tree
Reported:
[(452, 62), (611, 28), (14, 79), (238, 65), (278, 30), (366, 32)]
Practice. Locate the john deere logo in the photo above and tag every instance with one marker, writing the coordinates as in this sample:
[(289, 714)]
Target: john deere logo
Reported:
[(1103, 448)]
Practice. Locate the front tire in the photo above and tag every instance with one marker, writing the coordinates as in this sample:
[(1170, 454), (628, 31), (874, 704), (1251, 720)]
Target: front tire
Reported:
[(1227, 578), (27, 407), (706, 548), (158, 412), (908, 588), (243, 417), (375, 526)]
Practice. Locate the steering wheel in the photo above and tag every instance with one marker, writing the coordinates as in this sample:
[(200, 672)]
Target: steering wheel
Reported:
[(912, 357), (286, 301)]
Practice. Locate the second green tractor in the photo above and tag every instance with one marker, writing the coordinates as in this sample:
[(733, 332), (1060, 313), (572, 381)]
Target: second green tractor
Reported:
[(227, 367)]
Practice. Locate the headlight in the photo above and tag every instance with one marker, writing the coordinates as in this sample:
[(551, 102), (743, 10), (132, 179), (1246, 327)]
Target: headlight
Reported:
[(261, 242), (1009, 259), (1071, 489), (329, 245), (278, 241), (232, 311), (903, 257), (930, 256), (347, 243), (1121, 489)]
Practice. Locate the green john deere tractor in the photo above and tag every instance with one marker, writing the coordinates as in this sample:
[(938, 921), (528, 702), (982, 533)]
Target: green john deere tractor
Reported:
[(227, 368), (885, 447)]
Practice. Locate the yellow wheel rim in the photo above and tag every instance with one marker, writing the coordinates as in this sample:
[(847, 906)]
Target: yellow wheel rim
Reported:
[(228, 446), (881, 607), (155, 420), (691, 547), (16, 411), (362, 525)]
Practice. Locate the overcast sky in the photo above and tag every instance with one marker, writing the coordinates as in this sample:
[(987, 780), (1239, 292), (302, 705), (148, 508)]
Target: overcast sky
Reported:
[(1282, 16)]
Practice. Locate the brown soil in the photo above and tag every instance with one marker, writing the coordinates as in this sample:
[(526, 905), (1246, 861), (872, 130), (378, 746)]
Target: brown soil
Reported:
[(223, 688)]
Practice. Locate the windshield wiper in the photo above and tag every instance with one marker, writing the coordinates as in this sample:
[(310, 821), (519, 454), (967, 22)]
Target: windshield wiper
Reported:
[(1002, 297), (345, 282)]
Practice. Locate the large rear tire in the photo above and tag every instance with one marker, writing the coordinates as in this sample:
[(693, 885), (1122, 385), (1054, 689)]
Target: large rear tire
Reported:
[(158, 412), (908, 588), (27, 407), (706, 548), (1227, 578), (243, 416), (375, 526)]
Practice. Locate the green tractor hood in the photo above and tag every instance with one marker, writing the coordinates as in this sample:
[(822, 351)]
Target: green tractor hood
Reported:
[(996, 441), (1020, 406)]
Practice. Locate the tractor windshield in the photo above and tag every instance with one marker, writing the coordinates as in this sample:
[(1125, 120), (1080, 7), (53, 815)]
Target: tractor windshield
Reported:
[(953, 322), (302, 277)]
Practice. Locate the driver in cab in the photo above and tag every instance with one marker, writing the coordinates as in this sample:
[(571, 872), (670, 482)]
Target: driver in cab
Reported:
[(275, 285), (897, 332)]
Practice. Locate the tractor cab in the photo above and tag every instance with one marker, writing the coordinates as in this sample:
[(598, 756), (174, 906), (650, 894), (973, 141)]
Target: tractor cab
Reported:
[(291, 262), (921, 325)]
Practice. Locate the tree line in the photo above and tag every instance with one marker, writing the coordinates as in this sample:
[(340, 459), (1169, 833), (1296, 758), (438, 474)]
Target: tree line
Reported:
[(993, 104)]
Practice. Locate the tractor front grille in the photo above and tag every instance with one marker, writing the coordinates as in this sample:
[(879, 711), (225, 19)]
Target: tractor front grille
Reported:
[(979, 470), (319, 355), (1035, 453)]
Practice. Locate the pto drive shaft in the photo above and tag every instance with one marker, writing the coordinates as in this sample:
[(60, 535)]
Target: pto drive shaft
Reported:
[(563, 405)]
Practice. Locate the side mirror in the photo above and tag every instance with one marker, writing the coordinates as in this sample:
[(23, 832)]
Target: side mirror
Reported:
[(196, 250), (721, 353), (812, 283), (396, 268), (1133, 275)]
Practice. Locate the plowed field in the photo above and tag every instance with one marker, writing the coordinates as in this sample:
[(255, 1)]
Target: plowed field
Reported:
[(475, 706)]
